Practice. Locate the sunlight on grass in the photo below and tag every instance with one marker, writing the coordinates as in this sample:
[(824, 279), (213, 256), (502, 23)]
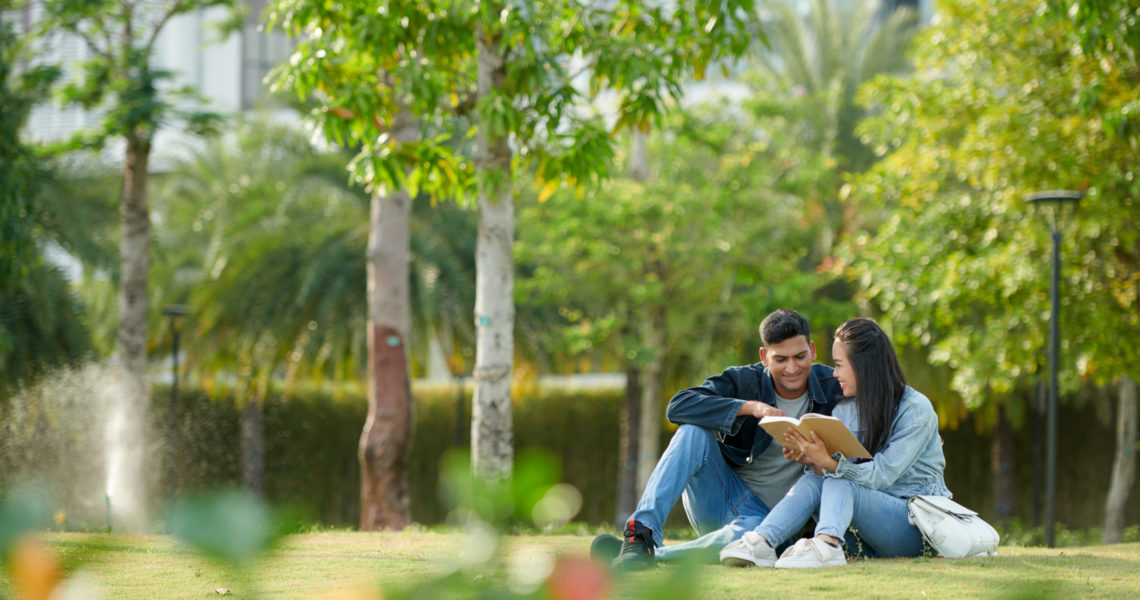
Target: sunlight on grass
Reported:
[(320, 565)]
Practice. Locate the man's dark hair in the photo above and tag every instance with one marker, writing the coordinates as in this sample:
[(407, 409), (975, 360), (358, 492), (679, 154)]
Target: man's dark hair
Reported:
[(783, 324), (879, 381)]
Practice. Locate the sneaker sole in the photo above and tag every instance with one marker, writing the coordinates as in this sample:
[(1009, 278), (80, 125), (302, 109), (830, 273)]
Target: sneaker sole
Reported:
[(630, 566), (811, 565), (737, 560)]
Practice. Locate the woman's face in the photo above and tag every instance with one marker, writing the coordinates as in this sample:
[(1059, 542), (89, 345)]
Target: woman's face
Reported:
[(843, 371)]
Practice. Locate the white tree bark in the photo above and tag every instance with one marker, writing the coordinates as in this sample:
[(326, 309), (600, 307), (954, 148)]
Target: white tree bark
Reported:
[(386, 438), (126, 466), (1124, 465), (638, 154), (492, 436)]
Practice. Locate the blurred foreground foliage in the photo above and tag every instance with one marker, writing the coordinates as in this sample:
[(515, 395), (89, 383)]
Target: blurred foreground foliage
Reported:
[(236, 529)]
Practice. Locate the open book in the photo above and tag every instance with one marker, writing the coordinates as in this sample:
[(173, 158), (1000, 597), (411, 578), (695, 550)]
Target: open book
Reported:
[(835, 435)]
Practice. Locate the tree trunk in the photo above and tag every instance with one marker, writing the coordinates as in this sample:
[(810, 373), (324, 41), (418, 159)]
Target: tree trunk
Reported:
[(387, 435), (629, 441), (491, 427), (253, 446), (1124, 465), (1002, 471), (627, 490), (130, 351), (649, 438), (638, 154)]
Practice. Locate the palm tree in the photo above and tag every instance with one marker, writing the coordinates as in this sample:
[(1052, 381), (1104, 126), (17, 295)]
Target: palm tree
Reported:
[(267, 243), (808, 78)]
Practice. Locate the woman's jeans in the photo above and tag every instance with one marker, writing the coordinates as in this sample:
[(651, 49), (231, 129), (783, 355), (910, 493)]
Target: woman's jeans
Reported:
[(878, 520), (719, 505)]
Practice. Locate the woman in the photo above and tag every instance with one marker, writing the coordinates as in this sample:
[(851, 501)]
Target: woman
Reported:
[(897, 425)]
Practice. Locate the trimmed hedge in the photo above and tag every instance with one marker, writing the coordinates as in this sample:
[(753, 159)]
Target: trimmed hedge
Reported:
[(311, 442)]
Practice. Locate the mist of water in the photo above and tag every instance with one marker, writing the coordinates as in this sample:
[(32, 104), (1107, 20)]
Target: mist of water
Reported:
[(77, 432)]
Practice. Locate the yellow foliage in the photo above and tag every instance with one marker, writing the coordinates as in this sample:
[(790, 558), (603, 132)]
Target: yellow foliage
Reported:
[(35, 570)]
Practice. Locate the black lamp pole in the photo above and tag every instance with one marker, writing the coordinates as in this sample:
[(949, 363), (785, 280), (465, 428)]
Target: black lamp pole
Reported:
[(173, 312), (1055, 201)]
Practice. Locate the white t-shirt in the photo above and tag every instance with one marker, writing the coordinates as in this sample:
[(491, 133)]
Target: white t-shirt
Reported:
[(770, 475)]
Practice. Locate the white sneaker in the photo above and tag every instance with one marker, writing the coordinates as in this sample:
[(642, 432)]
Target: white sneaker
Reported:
[(811, 553), (752, 550)]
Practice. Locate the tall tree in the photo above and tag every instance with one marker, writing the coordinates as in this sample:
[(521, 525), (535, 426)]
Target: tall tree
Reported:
[(1008, 107), (382, 81), (119, 77), (525, 93), (431, 61)]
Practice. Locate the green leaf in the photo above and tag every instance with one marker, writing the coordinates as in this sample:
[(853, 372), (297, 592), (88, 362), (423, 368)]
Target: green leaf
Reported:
[(232, 525)]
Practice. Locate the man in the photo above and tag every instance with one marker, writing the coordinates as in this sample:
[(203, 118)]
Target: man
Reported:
[(728, 470)]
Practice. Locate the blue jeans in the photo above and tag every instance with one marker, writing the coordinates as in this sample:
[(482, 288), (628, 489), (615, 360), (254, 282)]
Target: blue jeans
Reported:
[(719, 505), (877, 520)]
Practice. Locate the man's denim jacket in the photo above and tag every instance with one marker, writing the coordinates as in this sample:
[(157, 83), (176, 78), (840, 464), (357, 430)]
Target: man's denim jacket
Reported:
[(714, 404), (911, 462)]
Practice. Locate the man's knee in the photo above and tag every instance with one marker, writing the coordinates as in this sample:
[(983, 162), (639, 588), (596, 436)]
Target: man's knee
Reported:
[(695, 435)]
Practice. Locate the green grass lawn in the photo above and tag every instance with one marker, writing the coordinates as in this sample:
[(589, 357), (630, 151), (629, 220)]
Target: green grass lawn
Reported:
[(323, 565)]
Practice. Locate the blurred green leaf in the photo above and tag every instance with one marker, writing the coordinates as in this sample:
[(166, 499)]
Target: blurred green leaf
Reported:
[(25, 508), (232, 525)]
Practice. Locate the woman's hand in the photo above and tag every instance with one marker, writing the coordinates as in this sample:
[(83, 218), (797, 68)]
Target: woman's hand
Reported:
[(793, 453), (811, 452)]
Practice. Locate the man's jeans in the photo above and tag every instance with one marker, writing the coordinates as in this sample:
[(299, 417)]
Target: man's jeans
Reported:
[(719, 505), (879, 520)]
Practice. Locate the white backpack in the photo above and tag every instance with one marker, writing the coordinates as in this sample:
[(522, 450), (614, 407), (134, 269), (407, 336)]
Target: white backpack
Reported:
[(953, 530)]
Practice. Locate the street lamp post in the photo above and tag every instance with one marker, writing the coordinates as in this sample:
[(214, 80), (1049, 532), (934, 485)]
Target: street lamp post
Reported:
[(1054, 202), (173, 313)]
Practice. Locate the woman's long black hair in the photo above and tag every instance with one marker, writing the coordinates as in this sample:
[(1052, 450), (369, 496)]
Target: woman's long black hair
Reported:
[(879, 381)]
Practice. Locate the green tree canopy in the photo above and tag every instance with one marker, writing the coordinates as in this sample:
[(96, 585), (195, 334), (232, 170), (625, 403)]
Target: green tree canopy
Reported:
[(1004, 103)]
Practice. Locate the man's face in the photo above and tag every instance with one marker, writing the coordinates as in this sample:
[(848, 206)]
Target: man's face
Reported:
[(789, 362)]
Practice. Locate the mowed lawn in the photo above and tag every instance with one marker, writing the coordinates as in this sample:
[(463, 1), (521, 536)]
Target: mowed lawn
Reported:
[(329, 565)]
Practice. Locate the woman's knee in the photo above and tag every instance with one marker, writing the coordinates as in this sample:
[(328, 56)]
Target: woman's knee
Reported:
[(809, 486), (837, 485)]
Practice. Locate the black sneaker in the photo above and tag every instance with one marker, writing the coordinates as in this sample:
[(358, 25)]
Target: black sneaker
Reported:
[(637, 548), (605, 548)]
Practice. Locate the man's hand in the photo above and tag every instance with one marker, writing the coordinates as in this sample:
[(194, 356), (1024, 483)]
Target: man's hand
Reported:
[(760, 410)]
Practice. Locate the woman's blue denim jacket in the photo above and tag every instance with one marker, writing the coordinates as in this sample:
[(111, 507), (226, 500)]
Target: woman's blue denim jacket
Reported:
[(714, 404), (911, 462)]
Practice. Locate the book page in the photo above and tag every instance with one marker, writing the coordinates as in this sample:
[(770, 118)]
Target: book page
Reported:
[(835, 435)]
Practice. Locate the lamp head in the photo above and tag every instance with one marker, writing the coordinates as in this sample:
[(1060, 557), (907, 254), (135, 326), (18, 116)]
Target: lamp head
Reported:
[(174, 310), (1055, 201)]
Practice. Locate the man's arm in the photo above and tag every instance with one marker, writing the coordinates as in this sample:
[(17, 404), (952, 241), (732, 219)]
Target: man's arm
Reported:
[(720, 401)]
